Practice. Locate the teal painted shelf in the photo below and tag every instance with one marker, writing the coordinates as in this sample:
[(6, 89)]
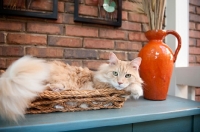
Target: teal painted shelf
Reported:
[(136, 115)]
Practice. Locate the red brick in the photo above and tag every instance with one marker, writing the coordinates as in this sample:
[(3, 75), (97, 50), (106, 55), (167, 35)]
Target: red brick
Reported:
[(192, 42), (197, 91), (198, 10), (127, 45), (2, 38), (11, 51), (194, 50), (195, 2), (80, 54), (45, 28), (192, 59), (69, 19), (137, 36), (60, 6), (198, 25), (92, 64), (194, 34), (88, 10), (6, 62), (45, 52), (33, 39), (192, 9), (197, 98), (194, 17), (45, 5), (69, 7), (135, 17), (132, 55), (192, 25), (100, 26), (98, 43), (198, 58), (112, 34), (64, 41), (3, 63), (12, 26), (91, 2), (130, 6), (131, 26), (124, 15), (198, 42), (58, 20), (81, 31), (104, 55)]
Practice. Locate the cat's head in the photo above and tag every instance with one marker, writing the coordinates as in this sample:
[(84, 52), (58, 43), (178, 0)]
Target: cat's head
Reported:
[(119, 74)]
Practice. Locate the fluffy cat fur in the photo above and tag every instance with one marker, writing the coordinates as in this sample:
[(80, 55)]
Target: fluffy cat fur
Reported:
[(20, 84), (29, 76)]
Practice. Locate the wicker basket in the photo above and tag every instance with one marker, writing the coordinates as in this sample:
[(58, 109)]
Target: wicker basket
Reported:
[(77, 100)]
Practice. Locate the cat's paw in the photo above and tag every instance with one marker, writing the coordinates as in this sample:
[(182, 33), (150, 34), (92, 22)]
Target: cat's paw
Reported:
[(136, 93)]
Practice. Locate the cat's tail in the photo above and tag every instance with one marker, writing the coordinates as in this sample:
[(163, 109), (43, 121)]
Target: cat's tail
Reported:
[(20, 84)]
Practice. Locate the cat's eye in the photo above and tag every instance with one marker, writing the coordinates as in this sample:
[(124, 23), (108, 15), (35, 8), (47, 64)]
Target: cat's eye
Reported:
[(127, 75), (115, 73)]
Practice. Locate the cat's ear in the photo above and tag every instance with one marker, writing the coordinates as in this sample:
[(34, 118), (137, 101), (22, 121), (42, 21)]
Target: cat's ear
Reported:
[(136, 62), (112, 58)]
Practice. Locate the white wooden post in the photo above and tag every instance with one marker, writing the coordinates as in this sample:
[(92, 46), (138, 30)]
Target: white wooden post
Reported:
[(188, 76), (177, 18)]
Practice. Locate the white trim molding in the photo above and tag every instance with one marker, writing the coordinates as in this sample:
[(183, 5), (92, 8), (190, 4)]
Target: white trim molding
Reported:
[(177, 19), (188, 76)]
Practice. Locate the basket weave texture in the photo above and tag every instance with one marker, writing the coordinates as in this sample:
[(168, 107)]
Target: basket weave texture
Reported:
[(77, 100)]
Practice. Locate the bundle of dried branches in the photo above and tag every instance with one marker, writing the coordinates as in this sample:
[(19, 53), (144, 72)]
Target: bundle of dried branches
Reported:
[(154, 9)]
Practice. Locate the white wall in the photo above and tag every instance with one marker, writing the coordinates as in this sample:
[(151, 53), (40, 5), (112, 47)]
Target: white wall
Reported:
[(177, 18)]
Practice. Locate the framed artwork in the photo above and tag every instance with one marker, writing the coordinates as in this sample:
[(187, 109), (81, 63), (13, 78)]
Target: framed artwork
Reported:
[(107, 12), (30, 8)]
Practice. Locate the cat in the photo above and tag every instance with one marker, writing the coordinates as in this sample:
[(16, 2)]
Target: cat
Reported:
[(120, 75), (27, 77)]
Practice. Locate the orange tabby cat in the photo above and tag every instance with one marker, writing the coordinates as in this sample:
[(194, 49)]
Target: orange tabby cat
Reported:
[(120, 75), (28, 76)]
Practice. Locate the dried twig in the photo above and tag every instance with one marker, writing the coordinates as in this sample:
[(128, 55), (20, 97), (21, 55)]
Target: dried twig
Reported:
[(154, 9)]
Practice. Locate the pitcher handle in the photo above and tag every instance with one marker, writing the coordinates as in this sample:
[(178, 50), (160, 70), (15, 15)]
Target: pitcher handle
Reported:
[(179, 42)]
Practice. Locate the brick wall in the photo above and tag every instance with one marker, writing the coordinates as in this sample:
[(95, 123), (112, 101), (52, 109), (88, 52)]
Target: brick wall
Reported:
[(194, 33), (63, 39), (81, 44)]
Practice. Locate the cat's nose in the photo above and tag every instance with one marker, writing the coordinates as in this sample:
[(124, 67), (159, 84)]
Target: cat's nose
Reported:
[(119, 83)]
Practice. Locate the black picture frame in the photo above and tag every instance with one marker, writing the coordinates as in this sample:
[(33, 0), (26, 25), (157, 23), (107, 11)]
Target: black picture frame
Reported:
[(78, 18), (50, 15)]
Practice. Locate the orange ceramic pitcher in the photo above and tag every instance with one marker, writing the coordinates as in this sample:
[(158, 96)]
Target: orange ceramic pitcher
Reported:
[(157, 64)]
